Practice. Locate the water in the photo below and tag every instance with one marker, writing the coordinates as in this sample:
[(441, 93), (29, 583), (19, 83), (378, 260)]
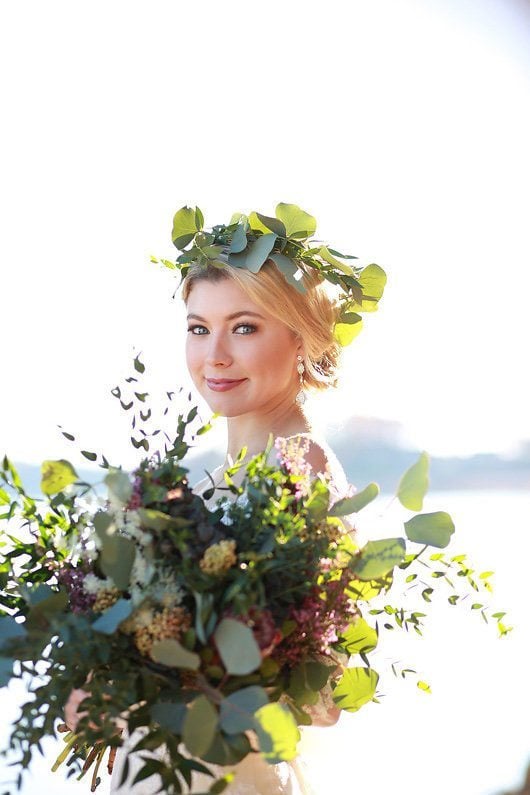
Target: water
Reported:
[(469, 736)]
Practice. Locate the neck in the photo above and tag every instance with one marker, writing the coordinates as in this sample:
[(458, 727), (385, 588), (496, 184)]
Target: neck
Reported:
[(252, 430)]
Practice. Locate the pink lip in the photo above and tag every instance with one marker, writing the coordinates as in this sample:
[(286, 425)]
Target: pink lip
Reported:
[(223, 384)]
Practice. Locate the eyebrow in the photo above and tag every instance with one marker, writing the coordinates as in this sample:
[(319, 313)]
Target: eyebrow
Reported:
[(229, 317)]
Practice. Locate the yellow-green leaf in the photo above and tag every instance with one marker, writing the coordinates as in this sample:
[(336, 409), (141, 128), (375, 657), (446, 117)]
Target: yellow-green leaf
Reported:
[(328, 257), (186, 223), (298, 224), (277, 732), (359, 637), (348, 328), (378, 557), (355, 688), (414, 484), (434, 529), (56, 475), (356, 503), (372, 280)]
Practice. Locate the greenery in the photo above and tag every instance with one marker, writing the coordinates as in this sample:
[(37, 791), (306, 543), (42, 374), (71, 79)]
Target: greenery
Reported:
[(249, 241), (206, 627)]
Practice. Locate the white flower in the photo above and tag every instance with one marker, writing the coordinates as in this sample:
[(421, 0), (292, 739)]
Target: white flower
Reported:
[(92, 584), (142, 570)]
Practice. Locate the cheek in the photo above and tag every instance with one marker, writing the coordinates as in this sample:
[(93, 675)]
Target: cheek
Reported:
[(273, 363), (192, 356)]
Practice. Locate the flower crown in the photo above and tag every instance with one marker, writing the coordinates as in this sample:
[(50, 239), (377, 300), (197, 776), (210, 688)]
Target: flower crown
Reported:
[(249, 241)]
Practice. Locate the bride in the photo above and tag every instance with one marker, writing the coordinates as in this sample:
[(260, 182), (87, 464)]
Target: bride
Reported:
[(254, 342)]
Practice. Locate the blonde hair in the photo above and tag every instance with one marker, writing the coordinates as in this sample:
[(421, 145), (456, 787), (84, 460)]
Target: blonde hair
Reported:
[(310, 315)]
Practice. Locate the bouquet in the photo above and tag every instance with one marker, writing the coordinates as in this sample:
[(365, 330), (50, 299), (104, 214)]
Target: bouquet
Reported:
[(215, 631)]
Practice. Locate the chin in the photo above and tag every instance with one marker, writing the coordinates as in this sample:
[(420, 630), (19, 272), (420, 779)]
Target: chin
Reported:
[(227, 406)]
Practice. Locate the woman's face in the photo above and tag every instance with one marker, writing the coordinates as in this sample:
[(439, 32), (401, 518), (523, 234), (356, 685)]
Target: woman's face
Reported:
[(240, 358)]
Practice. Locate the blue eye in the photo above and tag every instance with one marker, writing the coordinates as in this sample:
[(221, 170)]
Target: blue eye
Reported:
[(199, 331), (246, 325)]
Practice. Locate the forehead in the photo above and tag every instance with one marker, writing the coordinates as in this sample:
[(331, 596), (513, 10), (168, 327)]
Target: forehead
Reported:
[(220, 298)]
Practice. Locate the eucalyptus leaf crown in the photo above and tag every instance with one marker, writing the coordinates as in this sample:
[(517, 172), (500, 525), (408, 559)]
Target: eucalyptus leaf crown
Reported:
[(247, 242)]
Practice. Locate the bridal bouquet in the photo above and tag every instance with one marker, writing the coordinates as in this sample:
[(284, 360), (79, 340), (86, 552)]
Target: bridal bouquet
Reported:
[(213, 630)]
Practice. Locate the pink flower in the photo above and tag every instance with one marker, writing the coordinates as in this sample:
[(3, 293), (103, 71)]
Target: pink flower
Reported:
[(292, 453), (321, 618)]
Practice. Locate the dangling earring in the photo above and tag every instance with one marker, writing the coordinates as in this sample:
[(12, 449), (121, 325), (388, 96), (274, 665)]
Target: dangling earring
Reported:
[(300, 398)]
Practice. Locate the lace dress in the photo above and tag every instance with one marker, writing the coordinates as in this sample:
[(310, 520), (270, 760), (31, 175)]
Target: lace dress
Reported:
[(254, 776)]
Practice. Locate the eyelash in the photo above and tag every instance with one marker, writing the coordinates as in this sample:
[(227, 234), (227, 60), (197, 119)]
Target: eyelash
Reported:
[(244, 325)]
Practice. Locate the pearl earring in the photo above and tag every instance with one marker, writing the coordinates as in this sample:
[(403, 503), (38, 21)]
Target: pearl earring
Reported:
[(300, 398)]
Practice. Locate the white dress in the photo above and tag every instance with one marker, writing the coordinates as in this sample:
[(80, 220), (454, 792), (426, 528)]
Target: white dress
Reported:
[(254, 776)]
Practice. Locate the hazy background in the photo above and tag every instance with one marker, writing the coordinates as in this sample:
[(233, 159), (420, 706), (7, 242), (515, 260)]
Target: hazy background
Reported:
[(402, 126)]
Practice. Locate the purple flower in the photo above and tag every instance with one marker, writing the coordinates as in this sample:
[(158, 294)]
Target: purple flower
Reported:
[(72, 577)]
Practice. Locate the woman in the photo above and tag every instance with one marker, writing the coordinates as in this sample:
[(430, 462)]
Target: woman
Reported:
[(253, 343)]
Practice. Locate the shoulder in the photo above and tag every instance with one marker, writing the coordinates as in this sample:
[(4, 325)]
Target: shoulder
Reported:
[(311, 449), (317, 456)]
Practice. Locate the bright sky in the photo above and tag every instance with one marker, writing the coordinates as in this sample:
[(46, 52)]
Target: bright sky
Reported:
[(402, 126)]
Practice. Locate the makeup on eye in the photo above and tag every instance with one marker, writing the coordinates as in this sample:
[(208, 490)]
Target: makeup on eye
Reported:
[(239, 325)]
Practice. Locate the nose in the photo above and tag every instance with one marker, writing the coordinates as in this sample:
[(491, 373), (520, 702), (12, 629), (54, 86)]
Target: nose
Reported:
[(218, 354)]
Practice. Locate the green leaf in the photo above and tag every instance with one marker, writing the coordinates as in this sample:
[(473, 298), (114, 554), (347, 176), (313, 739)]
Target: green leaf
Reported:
[(45, 604), (298, 224), (264, 223), (227, 749), (138, 365), (117, 558), (277, 732), (170, 716), (170, 652), (9, 628), (356, 503), (109, 621), (256, 253), (414, 484), (359, 638), (349, 327), (288, 267), (237, 710), (186, 223), (379, 557), (317, 503), (434, 529), (91, 456), (152, 519), (355, 688), (239, 239), (328, 257), (200, 726), (6, 671), (56, 476), (237, 646), (118, 484), (307, 679), (221, 784)]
